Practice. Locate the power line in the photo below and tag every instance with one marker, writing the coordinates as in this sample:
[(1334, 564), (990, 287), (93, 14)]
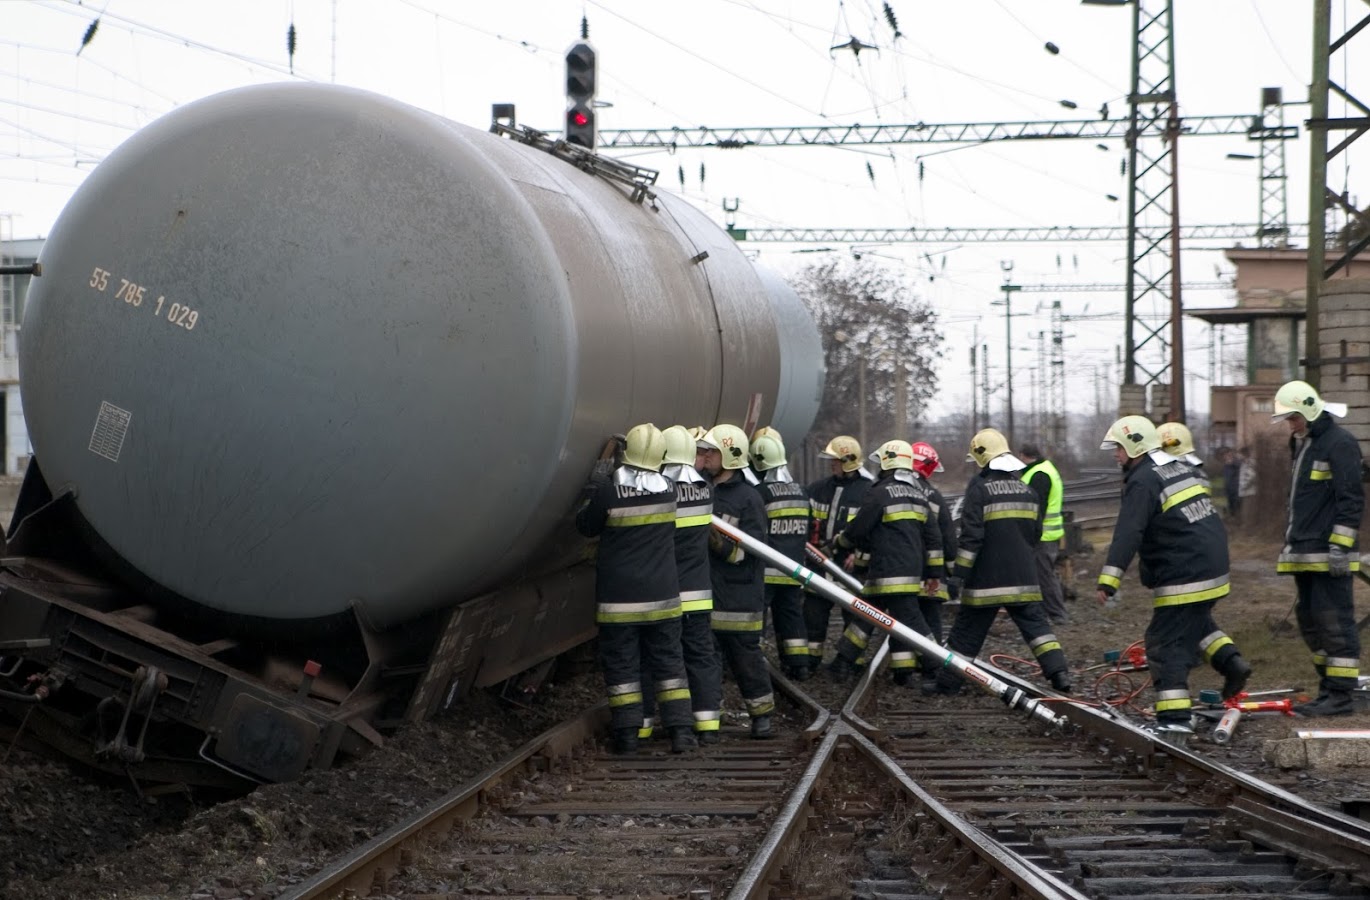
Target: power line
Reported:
[(1044, 233)]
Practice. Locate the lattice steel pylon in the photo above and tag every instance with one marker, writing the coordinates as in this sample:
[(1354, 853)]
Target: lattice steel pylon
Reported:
[(1153, 275), (1056, 391), (1323, 196), (1272, 133)]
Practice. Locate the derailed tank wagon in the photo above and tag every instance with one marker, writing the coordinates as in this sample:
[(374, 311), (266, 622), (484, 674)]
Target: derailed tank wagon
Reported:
[(313, 379)]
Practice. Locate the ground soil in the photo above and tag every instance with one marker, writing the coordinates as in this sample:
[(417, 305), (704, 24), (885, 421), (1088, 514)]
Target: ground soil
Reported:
[(1258, 615), (63, 836)]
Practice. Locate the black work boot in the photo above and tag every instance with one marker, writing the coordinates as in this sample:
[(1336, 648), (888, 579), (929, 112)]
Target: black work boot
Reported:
[(797, 673), (707, 737), (841, 668), (902, 677), (1061, 681), (761, 727), (946, 684), (1235, 678), (682, 740), (625, 740), (1336, 703)]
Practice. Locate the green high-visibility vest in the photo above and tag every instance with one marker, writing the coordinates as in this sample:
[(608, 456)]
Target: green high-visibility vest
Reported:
[(1053, 526)]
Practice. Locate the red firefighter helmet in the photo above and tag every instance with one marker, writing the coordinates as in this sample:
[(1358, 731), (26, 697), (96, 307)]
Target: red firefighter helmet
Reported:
[(925, 459)]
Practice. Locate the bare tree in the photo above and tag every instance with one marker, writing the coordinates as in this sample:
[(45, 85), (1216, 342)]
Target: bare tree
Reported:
[(874, 329)]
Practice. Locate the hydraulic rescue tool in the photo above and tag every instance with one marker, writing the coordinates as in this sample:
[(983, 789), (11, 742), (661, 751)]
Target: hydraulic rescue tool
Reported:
[(1011, 696)]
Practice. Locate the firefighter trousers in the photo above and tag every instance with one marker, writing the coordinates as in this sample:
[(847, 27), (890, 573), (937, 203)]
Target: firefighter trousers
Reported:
[(931, 608), (786, 603), (972, 626), (905, 610), (626, 651), (741, 650), (1178, 639), (703, 670), (1049, 581), (1327, 621)]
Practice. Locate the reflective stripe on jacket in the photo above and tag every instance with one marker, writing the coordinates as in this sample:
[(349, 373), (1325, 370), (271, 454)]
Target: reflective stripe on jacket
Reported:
[(694, 504), (736, 574), (787, 518), (1326, 498), (896, 527), (1000, 530), (635, 571), (1168, 521)]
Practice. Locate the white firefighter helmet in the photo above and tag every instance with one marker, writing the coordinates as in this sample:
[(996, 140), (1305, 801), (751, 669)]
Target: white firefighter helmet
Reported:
[(767, 431), (1176, 439), (845, 449), (680, 446), (731, 442), (644, 448), (1135, 434), (1302, 398), (768, 451), (894, 455), (986, 446)]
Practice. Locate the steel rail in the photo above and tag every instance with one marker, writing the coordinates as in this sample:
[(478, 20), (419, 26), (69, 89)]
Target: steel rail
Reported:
[(1028, 877), (357, 870), (1329, 834)]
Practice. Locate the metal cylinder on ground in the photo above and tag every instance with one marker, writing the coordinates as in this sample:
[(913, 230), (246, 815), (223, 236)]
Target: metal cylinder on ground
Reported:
[(1227, 726)]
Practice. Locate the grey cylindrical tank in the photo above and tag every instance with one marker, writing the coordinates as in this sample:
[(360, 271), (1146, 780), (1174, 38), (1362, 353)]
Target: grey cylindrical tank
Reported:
[(300, 348)]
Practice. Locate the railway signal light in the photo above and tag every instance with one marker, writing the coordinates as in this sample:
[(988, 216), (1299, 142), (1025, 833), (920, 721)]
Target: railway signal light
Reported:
[(580, 91)]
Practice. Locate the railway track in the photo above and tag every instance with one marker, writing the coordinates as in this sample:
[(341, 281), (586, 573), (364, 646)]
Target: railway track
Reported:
[(877, 792)]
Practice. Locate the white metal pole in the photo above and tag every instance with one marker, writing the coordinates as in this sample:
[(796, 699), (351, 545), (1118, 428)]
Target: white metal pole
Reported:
[(1011, 696)]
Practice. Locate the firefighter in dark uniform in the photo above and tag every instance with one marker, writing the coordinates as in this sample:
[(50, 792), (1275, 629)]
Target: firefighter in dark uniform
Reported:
[(1167, 519), (1001, 526), (787, 513), (1042, 477), (927, 463), (739, 591), (1321, 550), (896, 528), (637, 593), (694, 506), (834, 501)]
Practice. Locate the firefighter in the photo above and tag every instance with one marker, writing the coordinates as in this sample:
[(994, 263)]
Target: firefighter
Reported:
[(694, 506), (1177, 440), (739, 592), (833, 501), (1001, 526), (895, 526), (637, 594), (1168, 521), (927, 463), (1045, 481), (1321, 550), (787, 513)]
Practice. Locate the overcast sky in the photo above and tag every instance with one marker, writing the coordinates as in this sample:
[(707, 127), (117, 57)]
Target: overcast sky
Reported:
[(741, 63)]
